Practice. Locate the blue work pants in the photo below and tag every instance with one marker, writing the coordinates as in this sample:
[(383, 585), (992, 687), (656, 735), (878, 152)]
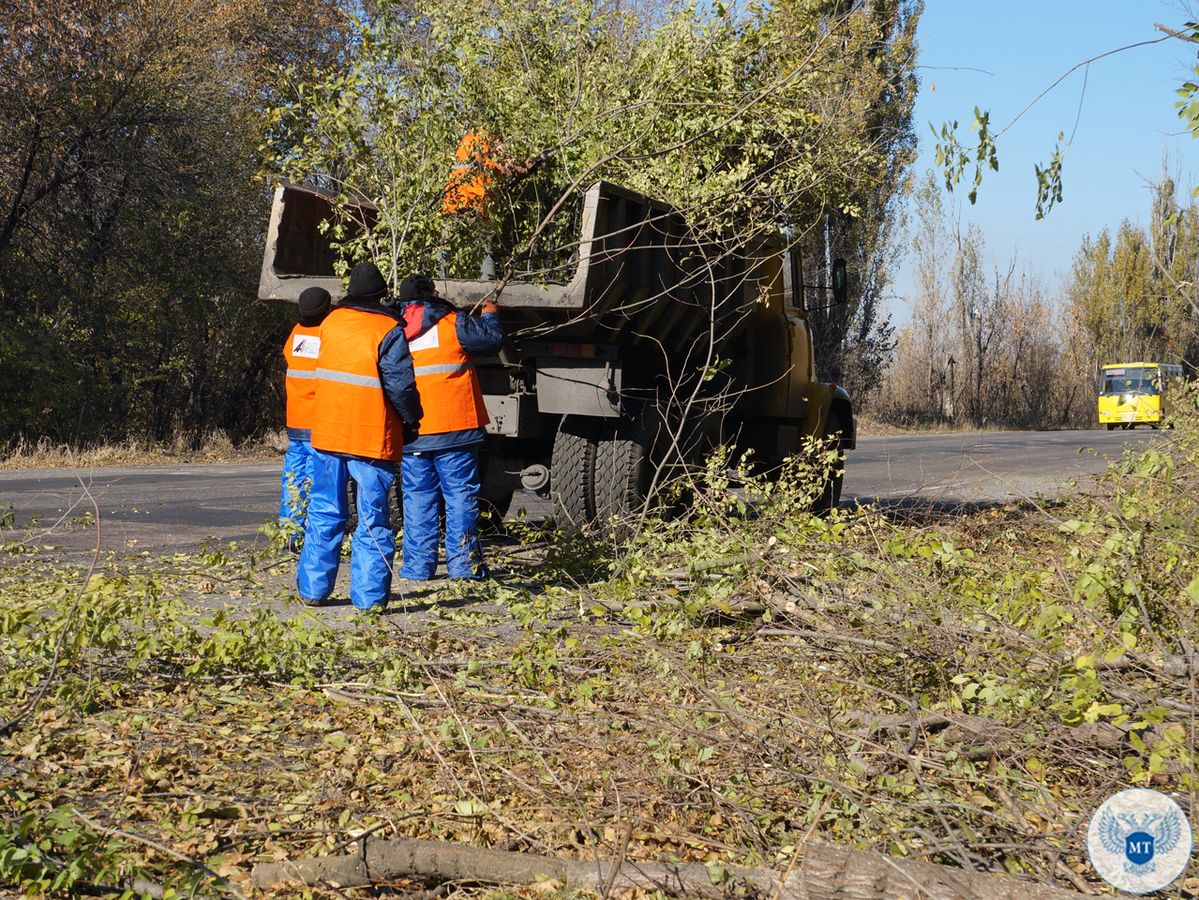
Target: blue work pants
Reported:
[(427, 477), (373, 543), (297, 484)]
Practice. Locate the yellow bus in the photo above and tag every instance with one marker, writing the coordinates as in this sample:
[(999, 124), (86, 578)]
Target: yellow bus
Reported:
[(1131, 393)]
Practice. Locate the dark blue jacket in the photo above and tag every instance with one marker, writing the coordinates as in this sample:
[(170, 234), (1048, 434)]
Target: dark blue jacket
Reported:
[(479, 336)]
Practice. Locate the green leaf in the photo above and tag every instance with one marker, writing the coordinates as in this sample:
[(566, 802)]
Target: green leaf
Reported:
[(470, 807)]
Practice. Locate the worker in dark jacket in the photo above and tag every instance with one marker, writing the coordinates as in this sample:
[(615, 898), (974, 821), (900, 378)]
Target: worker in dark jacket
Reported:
[(442, 463), (300, 351), (366, 399)]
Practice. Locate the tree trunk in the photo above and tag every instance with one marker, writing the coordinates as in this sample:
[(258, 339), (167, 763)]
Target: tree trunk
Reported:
[(823, 872)]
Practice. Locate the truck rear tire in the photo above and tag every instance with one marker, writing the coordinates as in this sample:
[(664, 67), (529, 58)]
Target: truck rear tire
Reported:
[(622, 474), (572, 471), (397, 504)]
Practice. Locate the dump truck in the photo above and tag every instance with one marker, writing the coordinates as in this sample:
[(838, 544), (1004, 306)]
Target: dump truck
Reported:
[(654, 345)]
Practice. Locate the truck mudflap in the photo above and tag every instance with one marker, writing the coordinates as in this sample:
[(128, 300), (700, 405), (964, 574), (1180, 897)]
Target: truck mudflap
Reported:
[(587, 387), (829, 414), (830, 411)]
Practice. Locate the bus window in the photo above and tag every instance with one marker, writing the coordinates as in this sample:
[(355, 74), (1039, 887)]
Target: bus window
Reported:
[(1130, 380)]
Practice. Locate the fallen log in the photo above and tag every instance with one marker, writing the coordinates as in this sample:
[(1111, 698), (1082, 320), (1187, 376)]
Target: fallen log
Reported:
[(823, 872)]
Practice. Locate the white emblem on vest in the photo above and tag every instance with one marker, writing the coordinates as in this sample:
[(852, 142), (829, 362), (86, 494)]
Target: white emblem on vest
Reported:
[(306, 345), (427, 341)]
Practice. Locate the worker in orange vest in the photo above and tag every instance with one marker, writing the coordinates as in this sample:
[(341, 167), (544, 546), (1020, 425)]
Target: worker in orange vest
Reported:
[(366, 398), (441, 464), (300, 351)]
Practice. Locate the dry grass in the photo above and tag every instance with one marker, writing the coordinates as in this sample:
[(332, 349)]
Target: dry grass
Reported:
[(869, 426), (215, 446)]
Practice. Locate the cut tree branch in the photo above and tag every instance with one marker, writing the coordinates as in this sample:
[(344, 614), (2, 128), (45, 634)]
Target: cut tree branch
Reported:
[(823, 872)]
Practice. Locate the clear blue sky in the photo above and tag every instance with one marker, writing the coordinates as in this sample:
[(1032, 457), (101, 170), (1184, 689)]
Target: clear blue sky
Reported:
[(1128, 120)]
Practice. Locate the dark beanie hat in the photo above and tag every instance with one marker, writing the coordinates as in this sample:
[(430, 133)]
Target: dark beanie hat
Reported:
[(416, 287), (366, 283), (314, 305)]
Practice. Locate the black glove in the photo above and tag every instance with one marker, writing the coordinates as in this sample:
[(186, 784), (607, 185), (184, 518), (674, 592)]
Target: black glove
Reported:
[(410, 433)]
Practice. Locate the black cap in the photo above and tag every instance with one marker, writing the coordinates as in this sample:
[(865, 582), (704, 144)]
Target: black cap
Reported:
[(417, 287), (366, 283), (314, 305)]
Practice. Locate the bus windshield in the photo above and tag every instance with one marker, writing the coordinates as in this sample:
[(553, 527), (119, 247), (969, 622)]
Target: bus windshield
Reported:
[(1131, 380)]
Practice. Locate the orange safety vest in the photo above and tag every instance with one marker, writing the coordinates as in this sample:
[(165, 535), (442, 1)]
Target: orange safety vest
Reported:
[(300, 351), (449, 389), (353, 414), (470, 181)]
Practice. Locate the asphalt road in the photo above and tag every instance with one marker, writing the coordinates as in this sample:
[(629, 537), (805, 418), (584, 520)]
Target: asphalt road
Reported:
[(179, 507), (980, 467)]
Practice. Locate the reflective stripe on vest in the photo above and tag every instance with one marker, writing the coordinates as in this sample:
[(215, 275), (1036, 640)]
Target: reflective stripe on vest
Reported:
[(443, 369), (370, 381), (450, 394), (353, 415), (300, 351)]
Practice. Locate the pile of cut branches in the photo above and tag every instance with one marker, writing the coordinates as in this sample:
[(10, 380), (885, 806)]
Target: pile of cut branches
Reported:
[(722, 705)]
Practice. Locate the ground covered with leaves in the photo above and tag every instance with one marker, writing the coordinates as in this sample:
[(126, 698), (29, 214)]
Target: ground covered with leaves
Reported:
[(722, 688)]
